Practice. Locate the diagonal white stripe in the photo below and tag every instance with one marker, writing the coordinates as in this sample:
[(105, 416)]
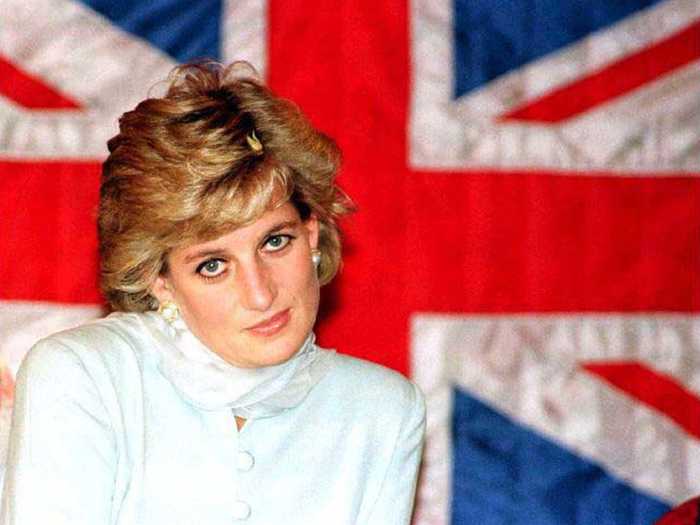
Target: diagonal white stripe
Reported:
[(655, 126)]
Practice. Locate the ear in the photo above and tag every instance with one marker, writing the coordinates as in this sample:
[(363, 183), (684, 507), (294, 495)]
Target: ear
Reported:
[(312, 226), (161, 289)]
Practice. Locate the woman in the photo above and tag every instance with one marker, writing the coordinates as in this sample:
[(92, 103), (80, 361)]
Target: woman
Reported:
[(203, 399)]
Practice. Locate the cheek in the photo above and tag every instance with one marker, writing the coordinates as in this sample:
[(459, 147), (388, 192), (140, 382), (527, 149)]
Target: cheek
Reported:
[(312, 295), (298, 279), (305, 277), (203, 305)]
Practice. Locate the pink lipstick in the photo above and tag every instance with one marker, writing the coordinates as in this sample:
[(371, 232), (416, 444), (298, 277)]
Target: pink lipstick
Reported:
[(272, 325)]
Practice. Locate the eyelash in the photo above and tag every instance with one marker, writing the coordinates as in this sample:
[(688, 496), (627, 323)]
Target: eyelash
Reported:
[(202, 265), (287, 238)]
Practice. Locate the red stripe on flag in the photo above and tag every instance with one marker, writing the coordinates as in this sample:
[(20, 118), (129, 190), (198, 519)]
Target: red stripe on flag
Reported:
[(29, 91), (357, 91), (657, 390), (614, 80), (48, 238), (533, 242)]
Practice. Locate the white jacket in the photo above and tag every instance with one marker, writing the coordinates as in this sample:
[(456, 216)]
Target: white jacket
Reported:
[(100, 436)]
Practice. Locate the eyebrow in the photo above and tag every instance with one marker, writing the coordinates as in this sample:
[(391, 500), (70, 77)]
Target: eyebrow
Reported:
[(204, 254), (219, 252)]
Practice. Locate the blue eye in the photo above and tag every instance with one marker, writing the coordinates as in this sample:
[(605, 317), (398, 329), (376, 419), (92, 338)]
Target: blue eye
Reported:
[(275, 243), (211, 268)]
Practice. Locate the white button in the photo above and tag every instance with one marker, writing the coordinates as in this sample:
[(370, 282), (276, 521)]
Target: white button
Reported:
[(241, 510), (245, 461)]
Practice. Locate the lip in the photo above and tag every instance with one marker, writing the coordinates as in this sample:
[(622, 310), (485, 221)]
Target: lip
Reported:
[(272, 325)]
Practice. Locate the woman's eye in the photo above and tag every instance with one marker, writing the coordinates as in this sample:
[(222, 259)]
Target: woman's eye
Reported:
[(211, 268), (277, 242)]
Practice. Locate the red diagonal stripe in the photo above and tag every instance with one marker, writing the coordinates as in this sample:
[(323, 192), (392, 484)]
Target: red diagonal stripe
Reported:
[(29, 91), (659, 391), (613, 81)]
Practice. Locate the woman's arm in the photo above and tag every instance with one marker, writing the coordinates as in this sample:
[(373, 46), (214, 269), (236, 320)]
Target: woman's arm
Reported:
[(394, 504), (61, 456)]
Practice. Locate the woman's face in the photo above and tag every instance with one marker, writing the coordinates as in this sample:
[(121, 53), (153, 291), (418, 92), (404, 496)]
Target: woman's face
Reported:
[(250, 295)]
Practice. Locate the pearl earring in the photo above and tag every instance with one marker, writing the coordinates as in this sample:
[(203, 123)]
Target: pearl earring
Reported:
[(169, 311), (316, 257)]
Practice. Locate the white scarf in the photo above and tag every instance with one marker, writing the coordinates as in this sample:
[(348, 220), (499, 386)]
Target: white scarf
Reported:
[(207, 381)]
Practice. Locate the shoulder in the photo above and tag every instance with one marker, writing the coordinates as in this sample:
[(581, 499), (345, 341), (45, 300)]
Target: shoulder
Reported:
[(112, 331), (371, 378), (63, 370), (109, 335), (94, 345), (373, 387), (374, 410)]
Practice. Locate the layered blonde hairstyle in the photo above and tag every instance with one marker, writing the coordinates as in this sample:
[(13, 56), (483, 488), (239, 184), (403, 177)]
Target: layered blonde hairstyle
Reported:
[(213, 154)]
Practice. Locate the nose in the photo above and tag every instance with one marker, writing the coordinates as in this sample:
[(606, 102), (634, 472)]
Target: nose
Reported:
[(256, 288)]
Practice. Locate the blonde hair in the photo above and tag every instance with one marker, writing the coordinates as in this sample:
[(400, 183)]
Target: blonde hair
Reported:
[(216, 152)]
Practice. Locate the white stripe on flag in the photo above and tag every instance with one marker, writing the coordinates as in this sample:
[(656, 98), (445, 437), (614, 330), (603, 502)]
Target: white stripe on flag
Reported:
[(244, 32)]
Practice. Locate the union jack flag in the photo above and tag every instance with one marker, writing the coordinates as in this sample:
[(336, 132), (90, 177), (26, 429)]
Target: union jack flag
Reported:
[(527, 245)]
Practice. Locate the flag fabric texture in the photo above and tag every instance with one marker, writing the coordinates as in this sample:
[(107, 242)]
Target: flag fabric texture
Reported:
[(688, 513), (527, 245)]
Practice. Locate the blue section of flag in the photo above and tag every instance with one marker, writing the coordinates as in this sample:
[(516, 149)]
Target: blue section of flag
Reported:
[(183, 30), (504, 474), (492, 37)]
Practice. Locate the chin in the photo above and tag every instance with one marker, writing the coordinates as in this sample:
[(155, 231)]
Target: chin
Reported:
[(269, 351), (255, 351), (249, 349)]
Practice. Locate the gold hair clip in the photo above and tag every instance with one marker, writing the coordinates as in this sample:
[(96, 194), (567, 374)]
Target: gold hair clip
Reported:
[(254, 142)]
